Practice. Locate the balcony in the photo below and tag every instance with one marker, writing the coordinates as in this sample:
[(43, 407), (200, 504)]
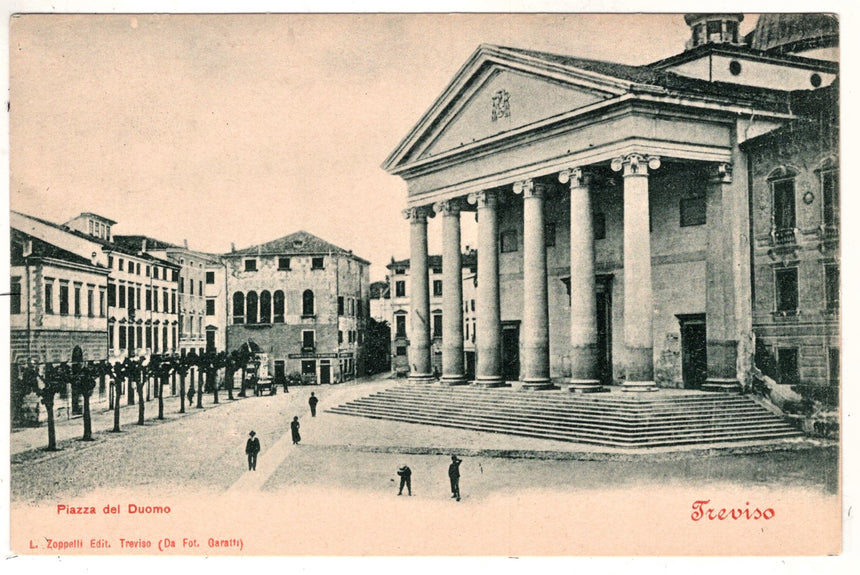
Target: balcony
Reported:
[(783, 236), (828, 237)]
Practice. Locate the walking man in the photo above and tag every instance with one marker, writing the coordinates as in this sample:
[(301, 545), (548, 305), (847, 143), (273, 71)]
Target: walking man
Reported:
[(454, 476), (294, 429), (405, 479), (252, 448), (313, 403)]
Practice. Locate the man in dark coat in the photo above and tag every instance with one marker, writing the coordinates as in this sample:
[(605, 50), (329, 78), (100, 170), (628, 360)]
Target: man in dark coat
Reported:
[(313, 403), (454, 476), (294, 428), (405, 479), (252, 448)]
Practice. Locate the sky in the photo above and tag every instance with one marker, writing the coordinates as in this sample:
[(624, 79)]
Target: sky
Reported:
[(220, 129)]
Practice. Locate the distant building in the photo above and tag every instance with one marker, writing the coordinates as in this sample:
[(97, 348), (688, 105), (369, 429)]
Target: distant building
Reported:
[(304, 302), (380, 301), (400, 291)]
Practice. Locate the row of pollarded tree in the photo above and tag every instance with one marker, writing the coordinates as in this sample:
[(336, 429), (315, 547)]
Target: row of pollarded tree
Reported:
[(82, 376)]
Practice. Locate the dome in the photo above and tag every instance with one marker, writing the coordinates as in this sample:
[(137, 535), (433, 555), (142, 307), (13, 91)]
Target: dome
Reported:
[(794, 33)]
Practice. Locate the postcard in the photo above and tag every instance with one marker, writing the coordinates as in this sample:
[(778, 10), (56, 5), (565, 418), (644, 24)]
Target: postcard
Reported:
[(401, 284)]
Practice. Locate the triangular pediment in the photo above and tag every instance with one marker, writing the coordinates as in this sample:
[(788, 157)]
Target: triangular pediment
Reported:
[(499, 91)]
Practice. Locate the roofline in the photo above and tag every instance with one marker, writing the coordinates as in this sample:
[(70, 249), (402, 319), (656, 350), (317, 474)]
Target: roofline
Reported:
[(70, 264), (243, 254), (748, 53)]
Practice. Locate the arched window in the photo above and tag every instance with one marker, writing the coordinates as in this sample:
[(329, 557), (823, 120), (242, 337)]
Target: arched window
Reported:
[(308, 302), (238, 307), (279, 307), (265, 307), (251, 307)]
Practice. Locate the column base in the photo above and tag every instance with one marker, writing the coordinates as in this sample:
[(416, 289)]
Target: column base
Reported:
[(638, 386), (490, 382), (453, 380), (723, 384), (538, 384), (585, 386), (422, 378)]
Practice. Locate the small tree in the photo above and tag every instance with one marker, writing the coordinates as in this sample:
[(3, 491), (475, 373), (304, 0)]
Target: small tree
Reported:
[(84, 382), (181, 366), (136, 371), (160, 367), (54, 382), (119, 372), (231, 364)]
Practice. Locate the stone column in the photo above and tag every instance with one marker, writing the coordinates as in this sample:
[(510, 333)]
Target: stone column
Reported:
[(453, 369), (488, 342), (638, 299), (535, 322), (584, 366), (419, 316), (722, 348)]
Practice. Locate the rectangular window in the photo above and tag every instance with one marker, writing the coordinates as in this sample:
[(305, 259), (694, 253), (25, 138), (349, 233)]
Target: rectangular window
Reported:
[(830, 197), (831, 287), (283, 263), (111, 340), (15, 296), (149, 336), (172, 302), (437, 325), (400, 288), (148, 299), (466, 331), (437, 287), (787, 365), (400, 321), (64, 298), (786, 289), (122, 296), (101, 303), (147, 275), (250, 265), (340, 305), (122, 338), (472, 304), (131, 297), (181, 285), (210, 278), (833, 365), (191, 286), (317, 263), (508, 241), (549, 235), (401, 350), (165, 300), (210, 307), (339, 336), (121, 264), (111, 294), (130, 338), (783, 204), (308, 340), (599, 223), (91, 309), (175, 275), (155, 272), (693, 211), (199, 287), (77, 300), (400, 271)]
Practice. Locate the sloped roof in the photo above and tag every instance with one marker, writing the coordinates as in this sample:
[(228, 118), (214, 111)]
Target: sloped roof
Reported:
[(298, 243), (435, 261), (43, 249), (651, 75), (135, 242)]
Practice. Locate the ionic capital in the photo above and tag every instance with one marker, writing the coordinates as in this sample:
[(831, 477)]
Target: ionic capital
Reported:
[(635, 164), (530, 189), (720, 173), (483, 199), (576, 176), (418, 214), (450, 207)]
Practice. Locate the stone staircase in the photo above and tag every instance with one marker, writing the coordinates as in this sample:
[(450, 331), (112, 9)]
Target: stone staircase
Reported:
[(616, 419)]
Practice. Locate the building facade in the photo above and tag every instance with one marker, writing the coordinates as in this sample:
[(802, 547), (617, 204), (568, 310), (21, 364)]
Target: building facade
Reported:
[(795, 234), (400, 306), (612, 203), (304, 302)]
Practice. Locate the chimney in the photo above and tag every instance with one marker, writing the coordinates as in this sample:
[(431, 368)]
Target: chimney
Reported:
[(232, 247), (143, 245), (185, 243)]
